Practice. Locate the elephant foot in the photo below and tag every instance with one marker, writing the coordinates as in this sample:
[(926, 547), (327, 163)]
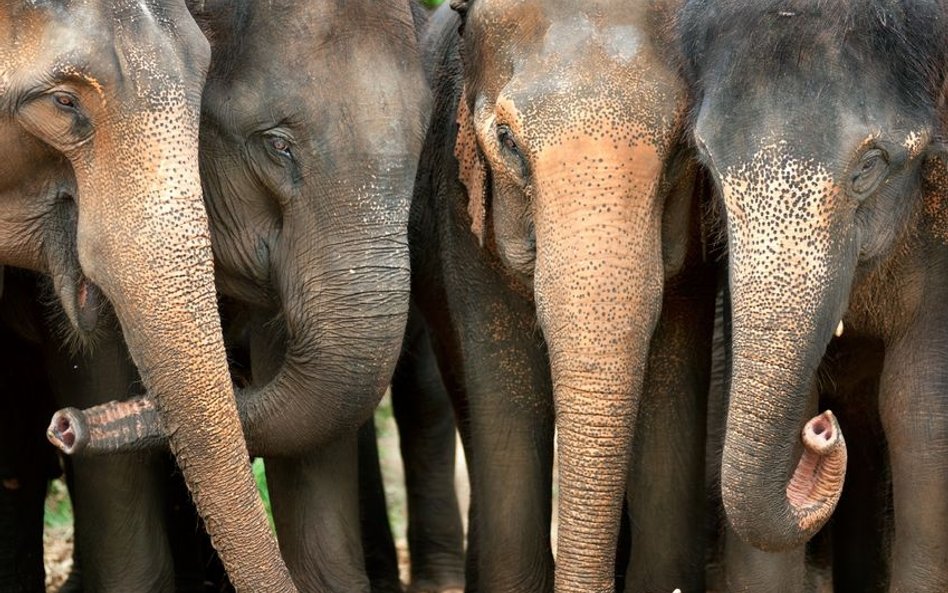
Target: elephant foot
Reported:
[(437, 586)]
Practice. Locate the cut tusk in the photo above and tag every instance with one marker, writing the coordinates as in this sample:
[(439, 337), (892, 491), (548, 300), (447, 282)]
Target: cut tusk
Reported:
[(839, 329)]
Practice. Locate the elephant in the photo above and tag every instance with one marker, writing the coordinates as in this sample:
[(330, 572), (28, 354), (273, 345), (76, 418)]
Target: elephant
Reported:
[(307, 160), (559, 260), (427, 438), (99, 114), (826, 152)]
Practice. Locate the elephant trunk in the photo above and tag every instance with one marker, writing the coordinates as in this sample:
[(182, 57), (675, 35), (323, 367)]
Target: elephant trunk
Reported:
[(783, 472), (345, 306), (598, 285), (343, 290), (143, 240), (780, 483)]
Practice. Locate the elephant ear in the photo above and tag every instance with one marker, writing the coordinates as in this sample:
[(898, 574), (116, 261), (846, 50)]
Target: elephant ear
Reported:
[(936, 193), (471, 169)]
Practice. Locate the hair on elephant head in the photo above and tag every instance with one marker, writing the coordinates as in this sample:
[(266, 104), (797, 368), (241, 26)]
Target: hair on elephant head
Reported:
[(819, 146), (569, 144), (99, 113)]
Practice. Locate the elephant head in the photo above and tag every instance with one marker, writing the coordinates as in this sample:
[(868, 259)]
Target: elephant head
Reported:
[(308, 160), (816, 120), (311, 153), (569, 124), (106, 97)]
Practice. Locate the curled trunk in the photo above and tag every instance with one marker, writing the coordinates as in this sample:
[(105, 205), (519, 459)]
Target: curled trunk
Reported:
[(150, 254), (344, 303), (782, 475), (780, 483)]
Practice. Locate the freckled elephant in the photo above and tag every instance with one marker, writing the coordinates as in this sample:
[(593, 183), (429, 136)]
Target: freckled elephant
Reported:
[(100, 189), (556, 254), (308, 158), (825, 150)]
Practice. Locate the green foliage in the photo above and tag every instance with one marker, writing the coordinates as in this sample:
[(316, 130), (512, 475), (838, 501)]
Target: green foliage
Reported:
[(58, 510), (432, 3), (260, 475)]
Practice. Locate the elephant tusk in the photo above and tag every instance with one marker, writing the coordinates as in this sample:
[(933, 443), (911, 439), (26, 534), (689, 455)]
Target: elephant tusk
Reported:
[(839, 329)]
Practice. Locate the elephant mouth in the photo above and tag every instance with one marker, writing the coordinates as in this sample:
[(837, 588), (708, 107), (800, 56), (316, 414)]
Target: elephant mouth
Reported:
[(82, 301)]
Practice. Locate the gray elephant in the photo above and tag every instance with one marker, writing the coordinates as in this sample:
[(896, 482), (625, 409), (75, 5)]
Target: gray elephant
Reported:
[(99, 112), (557, 255), (309, 152), (826, 151)]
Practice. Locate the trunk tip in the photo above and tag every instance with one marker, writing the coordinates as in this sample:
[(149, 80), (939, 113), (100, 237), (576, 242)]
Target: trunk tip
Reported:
[(67, 431), (822, 434)]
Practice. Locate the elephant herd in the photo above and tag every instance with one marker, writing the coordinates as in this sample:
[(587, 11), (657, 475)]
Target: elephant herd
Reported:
[(693, 242)]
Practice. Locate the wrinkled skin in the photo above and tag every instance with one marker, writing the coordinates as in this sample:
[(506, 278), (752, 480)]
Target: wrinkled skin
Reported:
[(833, 192), (99, 106), (554, 200), (427, 440), (308, 157)]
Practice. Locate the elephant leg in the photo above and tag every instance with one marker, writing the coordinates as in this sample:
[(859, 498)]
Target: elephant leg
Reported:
[(120, 525), (914, 410), (428, 439), (666, 483), (119, 501), (749, 570), (21, 526), (500, 383), (381, 559), (315, 501)]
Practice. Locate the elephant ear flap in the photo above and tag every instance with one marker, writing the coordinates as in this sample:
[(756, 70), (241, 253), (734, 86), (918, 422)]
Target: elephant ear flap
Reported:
[(936, 192), (471, 170)]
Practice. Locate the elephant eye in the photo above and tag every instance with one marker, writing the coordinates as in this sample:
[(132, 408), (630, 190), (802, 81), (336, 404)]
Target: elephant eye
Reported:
[(279, 144), (65, 101), (869, 171), (506, 139)]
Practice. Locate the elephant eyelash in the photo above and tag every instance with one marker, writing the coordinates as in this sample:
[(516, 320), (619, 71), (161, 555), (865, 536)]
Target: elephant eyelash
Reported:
[(510, 150)]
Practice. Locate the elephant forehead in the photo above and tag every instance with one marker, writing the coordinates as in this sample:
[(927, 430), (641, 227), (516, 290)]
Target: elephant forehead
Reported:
[(775, 184), (629, 103)]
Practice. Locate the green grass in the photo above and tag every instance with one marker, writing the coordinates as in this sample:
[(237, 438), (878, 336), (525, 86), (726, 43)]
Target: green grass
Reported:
[(260, 475)]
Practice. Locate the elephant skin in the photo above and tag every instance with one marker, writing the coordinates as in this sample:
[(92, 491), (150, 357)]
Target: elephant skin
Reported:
[(832, 181), (99, 114), (557, 257), (308, 163)]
